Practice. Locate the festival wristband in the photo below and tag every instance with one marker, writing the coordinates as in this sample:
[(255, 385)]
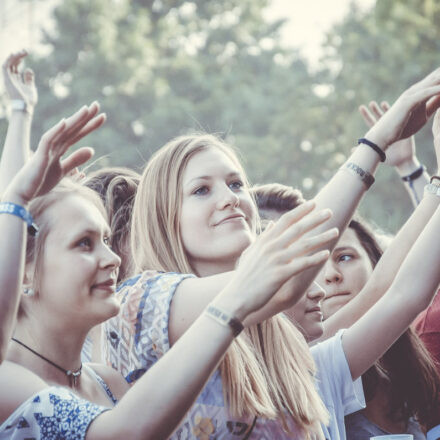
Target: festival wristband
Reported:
[(224, 319), (365, 176), (19, 211)]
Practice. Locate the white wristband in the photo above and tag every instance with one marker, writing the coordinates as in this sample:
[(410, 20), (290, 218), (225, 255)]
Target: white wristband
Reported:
[(20, 106), (430, 188)]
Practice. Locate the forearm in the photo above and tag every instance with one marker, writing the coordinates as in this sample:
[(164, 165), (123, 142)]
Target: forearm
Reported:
[(341, 195), (156, 404), (12, 255), (17, 146), (386, 269)]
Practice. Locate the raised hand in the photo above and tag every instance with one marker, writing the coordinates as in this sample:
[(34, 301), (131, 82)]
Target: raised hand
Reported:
[(279, 253), (409, 113), (400, 152), (19, 85), (46, 168)]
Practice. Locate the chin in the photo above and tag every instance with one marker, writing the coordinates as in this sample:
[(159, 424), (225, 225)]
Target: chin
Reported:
[(107, 311)]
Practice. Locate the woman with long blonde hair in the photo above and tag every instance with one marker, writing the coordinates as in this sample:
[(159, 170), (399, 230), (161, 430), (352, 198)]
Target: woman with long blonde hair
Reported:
[(193, 220)]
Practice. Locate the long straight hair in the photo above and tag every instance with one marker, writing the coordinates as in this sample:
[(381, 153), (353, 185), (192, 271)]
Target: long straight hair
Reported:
[(268, 370), (415, 389)]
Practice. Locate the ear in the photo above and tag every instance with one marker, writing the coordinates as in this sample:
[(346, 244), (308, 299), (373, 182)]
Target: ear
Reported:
[(28, 279)]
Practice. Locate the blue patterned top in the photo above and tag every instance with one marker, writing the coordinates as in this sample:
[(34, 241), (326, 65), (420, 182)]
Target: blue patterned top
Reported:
[(54, 413)]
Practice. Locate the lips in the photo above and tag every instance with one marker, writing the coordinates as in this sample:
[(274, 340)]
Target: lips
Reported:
[(336, 294), (109, 285), (314, 309), (232, 217)]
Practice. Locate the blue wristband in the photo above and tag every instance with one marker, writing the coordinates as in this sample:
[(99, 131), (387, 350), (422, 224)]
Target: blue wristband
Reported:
[(19, 211)]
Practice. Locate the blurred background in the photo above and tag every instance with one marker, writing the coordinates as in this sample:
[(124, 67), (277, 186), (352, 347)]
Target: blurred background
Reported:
[(281, 80)]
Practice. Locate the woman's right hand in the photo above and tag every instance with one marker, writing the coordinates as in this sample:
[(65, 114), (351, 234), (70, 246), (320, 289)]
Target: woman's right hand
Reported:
[(279, 253), (45, 168), (409, 113)]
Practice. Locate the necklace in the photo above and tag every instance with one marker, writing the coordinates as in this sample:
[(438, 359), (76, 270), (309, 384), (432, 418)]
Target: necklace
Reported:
[(72, 375)]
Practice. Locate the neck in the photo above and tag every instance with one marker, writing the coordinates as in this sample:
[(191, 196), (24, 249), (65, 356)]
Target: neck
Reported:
[(209, 268), (59, 345)]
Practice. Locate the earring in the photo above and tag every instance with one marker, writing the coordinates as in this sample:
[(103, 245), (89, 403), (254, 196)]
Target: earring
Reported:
[(28, 291)]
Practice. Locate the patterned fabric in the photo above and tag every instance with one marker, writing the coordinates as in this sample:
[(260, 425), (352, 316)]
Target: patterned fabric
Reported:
[(101, 382), (138, 337), (53, 414)]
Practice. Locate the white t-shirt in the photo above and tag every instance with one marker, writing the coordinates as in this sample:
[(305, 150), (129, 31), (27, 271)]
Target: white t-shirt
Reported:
[(340, 394)]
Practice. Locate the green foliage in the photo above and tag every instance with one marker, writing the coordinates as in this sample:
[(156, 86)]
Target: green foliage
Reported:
[(161, 68)]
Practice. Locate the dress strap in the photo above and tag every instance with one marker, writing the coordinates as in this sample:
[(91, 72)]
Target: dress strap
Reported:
[(102, 383)]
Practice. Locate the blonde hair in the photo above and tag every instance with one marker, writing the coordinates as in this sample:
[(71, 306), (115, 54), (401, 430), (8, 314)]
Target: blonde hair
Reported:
[(268, 371)]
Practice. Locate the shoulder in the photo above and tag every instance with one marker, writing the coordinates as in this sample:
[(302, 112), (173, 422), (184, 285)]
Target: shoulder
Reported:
[(117, 384), (17, 384)]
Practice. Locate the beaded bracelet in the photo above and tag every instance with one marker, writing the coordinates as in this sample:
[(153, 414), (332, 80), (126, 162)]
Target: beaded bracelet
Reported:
[(379, 151), (365, 176), (19, 211), (225, 319)]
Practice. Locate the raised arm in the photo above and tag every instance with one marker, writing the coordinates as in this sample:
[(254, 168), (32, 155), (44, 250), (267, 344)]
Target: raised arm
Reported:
[(342, 195), (387, 267), (22, 95), (411, 292), (41, 173), (401, 155)]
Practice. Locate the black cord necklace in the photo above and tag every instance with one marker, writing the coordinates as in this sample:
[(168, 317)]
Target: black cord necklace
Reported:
[(72, 375)]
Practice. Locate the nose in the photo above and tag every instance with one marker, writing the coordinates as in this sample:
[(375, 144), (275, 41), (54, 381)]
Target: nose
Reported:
[(331, 273), (227, 198), (109, 259), (315, 292)]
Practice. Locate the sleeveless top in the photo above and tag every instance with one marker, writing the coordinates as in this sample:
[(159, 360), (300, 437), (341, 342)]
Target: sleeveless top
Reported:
[(137, 338), (54, 413)]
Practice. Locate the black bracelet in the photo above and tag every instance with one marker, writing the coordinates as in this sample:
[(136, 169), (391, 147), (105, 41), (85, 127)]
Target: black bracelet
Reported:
[(415, 174), (434, 178), (380, 152)]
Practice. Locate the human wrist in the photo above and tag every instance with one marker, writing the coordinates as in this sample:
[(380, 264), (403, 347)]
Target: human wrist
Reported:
[(20, 106), (408, 167), (374, 136), (230, 302), (14, 197)]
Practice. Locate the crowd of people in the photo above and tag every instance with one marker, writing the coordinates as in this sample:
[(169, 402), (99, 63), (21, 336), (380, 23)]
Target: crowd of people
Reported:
[(185, 303)]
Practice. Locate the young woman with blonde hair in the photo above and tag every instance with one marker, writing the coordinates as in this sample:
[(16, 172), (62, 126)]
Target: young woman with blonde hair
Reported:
[(193, 218)]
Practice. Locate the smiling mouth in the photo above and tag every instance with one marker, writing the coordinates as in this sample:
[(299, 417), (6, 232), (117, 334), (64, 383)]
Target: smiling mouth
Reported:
[(336, 295), (234, 219)]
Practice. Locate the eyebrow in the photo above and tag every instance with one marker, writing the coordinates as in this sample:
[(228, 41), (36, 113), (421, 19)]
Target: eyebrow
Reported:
[(233, 174), (344, 248), (89, 231)]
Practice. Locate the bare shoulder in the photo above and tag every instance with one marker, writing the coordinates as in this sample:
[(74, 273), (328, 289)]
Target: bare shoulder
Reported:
[(17, 384), (112, 378)]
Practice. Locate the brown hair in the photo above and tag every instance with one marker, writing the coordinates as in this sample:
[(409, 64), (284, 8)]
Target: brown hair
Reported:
[(117, 188), (413, 390), (268, 371)]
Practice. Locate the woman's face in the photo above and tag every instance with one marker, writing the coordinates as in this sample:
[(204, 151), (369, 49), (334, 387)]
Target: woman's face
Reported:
[(345, 273), (217, 212), (307, 313), (79, 269)]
